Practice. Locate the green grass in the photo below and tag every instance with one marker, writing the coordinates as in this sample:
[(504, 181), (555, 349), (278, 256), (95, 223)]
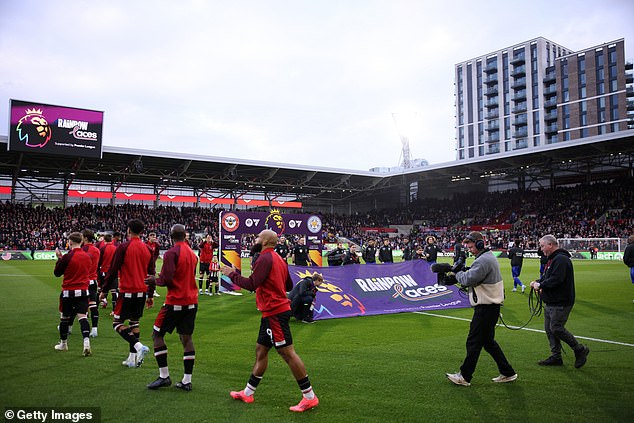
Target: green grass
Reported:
[(370, 369)]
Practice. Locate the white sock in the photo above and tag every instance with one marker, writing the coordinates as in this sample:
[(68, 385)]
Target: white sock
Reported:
[(187, 378), (248, 391), (309, 395), (164, 372)]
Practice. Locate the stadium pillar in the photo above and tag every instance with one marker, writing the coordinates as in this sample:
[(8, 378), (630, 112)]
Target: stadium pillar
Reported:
[(114, 194), (156, 196)]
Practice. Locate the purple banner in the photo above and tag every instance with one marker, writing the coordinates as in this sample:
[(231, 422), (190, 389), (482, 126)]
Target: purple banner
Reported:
[(369, 289)]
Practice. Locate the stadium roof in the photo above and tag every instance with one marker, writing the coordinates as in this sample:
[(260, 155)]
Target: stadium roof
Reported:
[(605, 154)]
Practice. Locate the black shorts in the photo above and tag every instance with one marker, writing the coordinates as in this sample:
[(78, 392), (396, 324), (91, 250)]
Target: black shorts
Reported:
[(129, 307), (275, 331), (204, 268), (170, 317), (70, 306)]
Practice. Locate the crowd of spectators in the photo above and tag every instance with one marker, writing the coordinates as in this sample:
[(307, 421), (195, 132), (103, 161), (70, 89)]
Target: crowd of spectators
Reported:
[(601, 210)]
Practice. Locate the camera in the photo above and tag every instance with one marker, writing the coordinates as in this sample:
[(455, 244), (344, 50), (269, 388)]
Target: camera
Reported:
[(445, 272)]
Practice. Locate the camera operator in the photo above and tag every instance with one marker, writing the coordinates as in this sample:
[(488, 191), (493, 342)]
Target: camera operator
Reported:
[(303, 295), (486, 294)]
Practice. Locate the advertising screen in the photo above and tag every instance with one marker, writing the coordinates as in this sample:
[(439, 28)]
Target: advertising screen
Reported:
[(48, 129)]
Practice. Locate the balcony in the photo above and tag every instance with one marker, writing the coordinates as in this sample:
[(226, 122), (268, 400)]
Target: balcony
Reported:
[(549, 77), (520, 133), (520, 108), (519, 70), (520, 58), (492, 103), (629, 78), (493, 114), (630, 106), (491, 79), (520, 120), (628, 66), (519, 95), (491, 91), (551, 129), (492, 138), (629, 92), (519, 83), (520, 144), (491, 67), (492, 149), (550, 116), (550, 90), (550, 103), (493, 125)]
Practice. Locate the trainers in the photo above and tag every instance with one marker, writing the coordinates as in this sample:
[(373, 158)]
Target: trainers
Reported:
[(305, 404), (140, 355), (523, 288), (184, 386), (200, 291), (514, 289), (156, 294), (457, 379), (129, 363), (87, 352), (240, 395), (308, 321), (581, 356), (504, 379), (62, 346), (93, 332), (551, 361), (159, 383)]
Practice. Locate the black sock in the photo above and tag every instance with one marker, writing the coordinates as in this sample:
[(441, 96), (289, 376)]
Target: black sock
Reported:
[(63, 328), (129, 337), (94, 315), (188, 361), (85, 327), (160, 354)]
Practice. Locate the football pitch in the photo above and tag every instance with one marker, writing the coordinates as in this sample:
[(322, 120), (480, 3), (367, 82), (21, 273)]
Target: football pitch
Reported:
[(388, 368)]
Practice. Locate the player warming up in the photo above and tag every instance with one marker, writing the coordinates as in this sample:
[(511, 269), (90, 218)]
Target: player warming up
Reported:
[(132, 261), (75, 266), (270, 280), (179, 309)]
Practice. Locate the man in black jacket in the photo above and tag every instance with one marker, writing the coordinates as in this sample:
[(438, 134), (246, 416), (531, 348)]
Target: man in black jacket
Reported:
[(385, 252), (628, 256), (369, 253), (302, 297), (557, 289)]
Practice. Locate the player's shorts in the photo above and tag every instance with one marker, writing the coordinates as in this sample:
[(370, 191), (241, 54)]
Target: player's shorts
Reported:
[(129, 306), (213, 276), (71, 305), (173, 316), (204, 268), (275, 331)]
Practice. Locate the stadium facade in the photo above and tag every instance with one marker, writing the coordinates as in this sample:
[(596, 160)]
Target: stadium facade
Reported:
[(538, 93)]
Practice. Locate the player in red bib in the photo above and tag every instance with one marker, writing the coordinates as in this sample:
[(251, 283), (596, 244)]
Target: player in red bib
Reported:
[(156, 251), (75, 266), (132, 261), (178, 274), (206, 251), (87, 238), (270, 280), (105, 261)]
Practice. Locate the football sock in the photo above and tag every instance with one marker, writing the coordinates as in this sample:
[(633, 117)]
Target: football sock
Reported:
[(94, 315), (160, 354), (63, 328), (188, 363), (252, 385), (127, 335), (307, 389), (85, 327)]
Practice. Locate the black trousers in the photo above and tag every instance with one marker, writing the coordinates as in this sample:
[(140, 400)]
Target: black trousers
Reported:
[(482, 335)]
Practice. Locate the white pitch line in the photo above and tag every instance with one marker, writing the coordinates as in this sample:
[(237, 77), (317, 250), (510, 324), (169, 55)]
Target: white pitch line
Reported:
[(606, 341)]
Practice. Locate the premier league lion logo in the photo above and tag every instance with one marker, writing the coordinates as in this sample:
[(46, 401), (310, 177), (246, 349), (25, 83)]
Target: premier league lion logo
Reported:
[(33, 129), (275, 222)]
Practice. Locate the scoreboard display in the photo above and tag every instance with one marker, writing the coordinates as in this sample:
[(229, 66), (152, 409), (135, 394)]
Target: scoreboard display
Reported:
[(57, 130)]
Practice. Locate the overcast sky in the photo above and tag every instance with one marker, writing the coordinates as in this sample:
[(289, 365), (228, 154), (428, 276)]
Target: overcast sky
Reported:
[(297, 82)]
